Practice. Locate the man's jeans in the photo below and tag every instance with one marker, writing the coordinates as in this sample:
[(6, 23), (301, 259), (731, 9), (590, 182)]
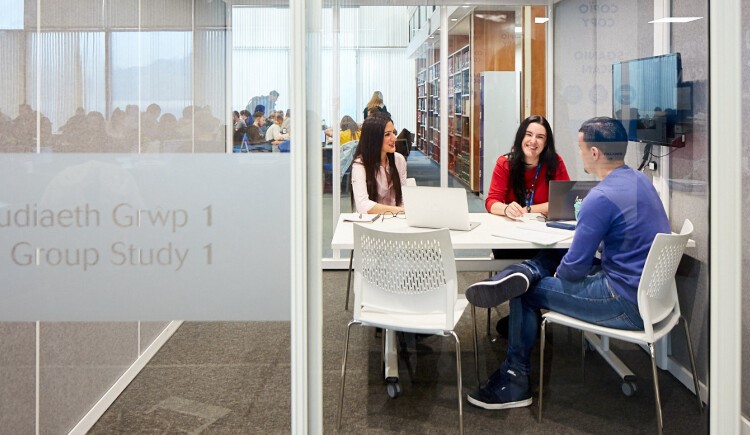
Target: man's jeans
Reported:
[(592, 300)]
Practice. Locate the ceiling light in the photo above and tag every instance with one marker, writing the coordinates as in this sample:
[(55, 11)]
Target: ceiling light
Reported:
[(454, 19), (674, 20), (540, 20), (432, 36), (519, 29)]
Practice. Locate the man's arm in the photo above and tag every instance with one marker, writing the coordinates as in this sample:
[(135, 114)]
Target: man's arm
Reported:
[(594, 221)]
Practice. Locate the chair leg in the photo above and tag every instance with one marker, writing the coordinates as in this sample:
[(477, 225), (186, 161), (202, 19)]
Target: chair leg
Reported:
[(692, 364), (583, 356), (459, 385), (474, 336), (489, 320), (659, 424), (349, 281), (489, 317), (542, 337), (343, 374)]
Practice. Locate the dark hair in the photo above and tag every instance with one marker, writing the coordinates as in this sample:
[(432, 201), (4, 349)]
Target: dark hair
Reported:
[(236, 113), (607, 134), (368, 150), (516, 157), (258, 114), (245, 112)]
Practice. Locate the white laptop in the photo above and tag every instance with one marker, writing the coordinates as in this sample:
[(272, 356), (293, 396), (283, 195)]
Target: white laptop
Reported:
[(437, 207)]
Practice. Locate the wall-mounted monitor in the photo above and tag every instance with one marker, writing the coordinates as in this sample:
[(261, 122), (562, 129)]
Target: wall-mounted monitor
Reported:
[(651, 101)]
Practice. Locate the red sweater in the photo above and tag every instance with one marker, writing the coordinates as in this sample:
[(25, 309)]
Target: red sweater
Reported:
[(502, 191)]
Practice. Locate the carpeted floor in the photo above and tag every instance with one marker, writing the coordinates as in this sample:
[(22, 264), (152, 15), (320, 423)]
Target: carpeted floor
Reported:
[(234, 378)]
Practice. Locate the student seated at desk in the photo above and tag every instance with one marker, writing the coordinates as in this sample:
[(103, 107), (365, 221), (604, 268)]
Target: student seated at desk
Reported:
[(349, 130), (274, 134), (623, 214), (520, 181), (378, 172), (254, 134)]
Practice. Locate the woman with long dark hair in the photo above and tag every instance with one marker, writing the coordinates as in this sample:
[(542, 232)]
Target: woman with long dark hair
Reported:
[(520, 181), (378, 172)]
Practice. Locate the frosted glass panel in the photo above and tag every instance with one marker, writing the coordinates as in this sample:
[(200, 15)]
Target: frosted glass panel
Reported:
[(104, 237)]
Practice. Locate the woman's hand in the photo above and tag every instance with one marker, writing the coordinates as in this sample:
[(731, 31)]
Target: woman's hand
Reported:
[(514, 210)]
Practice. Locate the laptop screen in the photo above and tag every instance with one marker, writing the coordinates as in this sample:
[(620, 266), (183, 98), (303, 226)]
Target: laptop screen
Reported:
[(436, 207), (562, 197)]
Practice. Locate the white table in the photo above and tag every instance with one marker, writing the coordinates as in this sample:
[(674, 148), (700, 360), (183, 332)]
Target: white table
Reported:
[(479, 238)]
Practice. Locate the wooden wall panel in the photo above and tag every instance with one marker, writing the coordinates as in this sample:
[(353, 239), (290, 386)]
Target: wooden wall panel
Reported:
[(538, 65), (493, 48)]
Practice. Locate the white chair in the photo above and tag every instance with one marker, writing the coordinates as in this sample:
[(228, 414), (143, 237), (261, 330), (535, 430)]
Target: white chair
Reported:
[(658, 304), (409, 182), (405, 282)]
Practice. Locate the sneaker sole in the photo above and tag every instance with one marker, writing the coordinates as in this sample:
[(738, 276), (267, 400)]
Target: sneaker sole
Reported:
[(488, 294), (507, 405)]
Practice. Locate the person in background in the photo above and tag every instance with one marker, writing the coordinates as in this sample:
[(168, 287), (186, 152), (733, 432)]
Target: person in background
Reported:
[(240, 128), (274, 134), (621, 216), (520, 182), (375, 105), (253, 130), (267, 101), (349, 130), (245, 115), (286, 125), (378, 172)]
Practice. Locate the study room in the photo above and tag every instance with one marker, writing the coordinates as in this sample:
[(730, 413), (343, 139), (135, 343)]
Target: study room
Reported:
[(362, 216)]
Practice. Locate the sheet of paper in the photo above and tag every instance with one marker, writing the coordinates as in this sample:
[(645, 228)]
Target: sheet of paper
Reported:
[(535, 232), (360, 217)]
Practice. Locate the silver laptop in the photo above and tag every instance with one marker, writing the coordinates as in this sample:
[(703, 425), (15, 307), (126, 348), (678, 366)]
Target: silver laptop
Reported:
[(437, 207), (562, 196)]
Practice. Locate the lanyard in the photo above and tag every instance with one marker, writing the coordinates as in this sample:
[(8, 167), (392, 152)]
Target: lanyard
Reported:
[(530, 194)]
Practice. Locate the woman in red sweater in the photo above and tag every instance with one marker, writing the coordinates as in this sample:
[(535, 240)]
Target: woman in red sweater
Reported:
[(520, 181)]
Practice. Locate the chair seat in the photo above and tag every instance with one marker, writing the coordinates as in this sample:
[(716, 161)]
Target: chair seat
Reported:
[(417, 323), (660, 330)]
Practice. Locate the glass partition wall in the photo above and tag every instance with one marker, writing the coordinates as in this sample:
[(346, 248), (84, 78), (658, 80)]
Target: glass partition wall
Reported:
[(113, 107), (133, 77)]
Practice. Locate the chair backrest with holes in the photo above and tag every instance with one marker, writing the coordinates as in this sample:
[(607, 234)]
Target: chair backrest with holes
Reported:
[(657, 292), (405, 273)]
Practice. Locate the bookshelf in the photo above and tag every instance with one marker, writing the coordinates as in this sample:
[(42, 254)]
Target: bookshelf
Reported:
[(485, 44), (459, 113)]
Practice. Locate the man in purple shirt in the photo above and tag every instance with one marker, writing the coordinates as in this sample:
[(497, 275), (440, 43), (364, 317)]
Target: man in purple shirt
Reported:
[(620, 217)]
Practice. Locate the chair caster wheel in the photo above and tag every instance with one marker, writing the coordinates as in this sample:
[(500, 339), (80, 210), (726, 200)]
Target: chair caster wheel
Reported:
[(629, 387), (393, 389)]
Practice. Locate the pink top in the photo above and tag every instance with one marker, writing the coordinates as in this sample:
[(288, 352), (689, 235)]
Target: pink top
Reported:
[(386, 194)]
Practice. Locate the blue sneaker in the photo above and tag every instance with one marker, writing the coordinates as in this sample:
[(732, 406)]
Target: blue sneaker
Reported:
[(505, 389), (488, 294)]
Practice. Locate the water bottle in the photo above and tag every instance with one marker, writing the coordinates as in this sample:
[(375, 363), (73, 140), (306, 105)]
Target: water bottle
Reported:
[(577, 206)]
